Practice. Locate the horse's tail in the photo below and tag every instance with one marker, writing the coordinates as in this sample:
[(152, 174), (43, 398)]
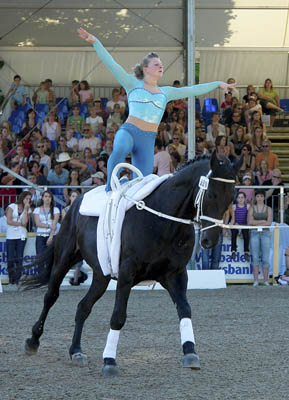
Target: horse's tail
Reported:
[(44, 263)]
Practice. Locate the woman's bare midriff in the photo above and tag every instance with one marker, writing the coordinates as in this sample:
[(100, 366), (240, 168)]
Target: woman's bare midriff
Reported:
[(143, 125)]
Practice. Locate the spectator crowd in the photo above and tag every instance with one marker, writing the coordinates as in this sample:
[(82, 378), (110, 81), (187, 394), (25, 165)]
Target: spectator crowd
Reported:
[(70, 143)]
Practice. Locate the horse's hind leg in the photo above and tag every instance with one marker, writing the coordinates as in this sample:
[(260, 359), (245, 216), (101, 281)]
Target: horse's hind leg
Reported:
[(96, 290), (177, 288), (57, 275)]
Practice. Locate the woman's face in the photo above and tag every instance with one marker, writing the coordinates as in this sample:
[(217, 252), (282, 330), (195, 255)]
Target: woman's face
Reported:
[(47, 199), (257, 116), (31, 114), (72, 197), (4, 132), (154, 69), (82, 86), (258, 132), (74, 175), (36, 158), (87, 153), (268, 84), (260, 198), (27, 199), (241, 198), (239, 133), (264, 165), (223, 141)]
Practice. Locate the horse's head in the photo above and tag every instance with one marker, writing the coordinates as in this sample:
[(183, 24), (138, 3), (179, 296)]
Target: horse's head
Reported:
[(217, 198)]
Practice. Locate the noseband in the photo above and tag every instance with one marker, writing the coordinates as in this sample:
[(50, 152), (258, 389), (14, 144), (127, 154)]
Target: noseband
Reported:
[(203, 186)]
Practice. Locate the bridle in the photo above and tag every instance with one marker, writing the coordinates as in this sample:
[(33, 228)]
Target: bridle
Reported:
[(203, 186)]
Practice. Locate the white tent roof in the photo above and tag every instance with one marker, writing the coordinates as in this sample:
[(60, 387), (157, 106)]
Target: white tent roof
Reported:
[(153, 23)]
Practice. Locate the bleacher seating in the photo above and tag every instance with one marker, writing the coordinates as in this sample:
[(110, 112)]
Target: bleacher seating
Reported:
[(197, 105), (17, 119), (83, 110), (41, 111), (210, 106), (104, 101), (284, 104), (62, 109)]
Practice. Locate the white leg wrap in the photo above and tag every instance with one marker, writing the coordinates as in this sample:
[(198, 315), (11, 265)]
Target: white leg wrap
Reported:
[(187, 332), (111, 344)]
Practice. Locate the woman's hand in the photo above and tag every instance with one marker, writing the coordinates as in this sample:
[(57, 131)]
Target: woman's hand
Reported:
[(86, 36), (49, 240), (226, 86)]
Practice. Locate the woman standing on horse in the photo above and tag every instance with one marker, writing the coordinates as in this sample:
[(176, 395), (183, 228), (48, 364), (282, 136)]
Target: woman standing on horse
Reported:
[(147, 103)]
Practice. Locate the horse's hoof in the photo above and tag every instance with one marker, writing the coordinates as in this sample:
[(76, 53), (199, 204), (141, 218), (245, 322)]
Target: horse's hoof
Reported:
[(110, 371), (30, 348), (192, 361), (79, 359)]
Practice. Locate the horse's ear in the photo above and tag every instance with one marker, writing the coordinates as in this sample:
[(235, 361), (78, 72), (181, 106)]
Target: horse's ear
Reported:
[(216, 160), (238, 165)]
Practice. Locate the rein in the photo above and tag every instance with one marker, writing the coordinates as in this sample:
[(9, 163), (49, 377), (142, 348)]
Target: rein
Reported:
[(203, 186)]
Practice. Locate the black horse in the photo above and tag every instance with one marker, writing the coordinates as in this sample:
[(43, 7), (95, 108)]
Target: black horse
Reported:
[(152, 248)]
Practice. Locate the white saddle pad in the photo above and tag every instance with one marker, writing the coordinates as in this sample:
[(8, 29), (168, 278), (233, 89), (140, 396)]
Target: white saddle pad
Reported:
[(104, 205)]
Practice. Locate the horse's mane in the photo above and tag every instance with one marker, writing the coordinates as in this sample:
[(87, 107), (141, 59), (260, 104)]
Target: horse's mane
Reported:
[(194, 160)]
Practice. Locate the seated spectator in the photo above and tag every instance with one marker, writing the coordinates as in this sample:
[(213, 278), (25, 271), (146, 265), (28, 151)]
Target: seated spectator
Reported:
[(99, 110), (115, 117), (9, 135), (257, 139), (51, 93), (89, 160), (16, 235), (233, 122), (102, 165), (201, 146), (273, 195), (162, 134), (115, 100), (239, 217), (260, 240), (94, 143), (182, 119), (269, 101), (266, 154), (107, 148), (71, 141), (222, 147), (73, 180), (46, 217), (34, 139), (44, 158), (168, 111), (263, 173), (179, 147), (62, 145), (226, 104), (249, 193), (175, 157), (123, 95), (95, 121), (250, 89), (41, 95), (52, 130), (162, 160), (59, 175), (5, 145), (85, 93), (249, 161), (237, 141), (256, 121), (35, 193), (215, 128), (233, 91), (34, 168), (74, 95), (30, 124), (47, 148), (75, 121), (97, 179), (18, 93)]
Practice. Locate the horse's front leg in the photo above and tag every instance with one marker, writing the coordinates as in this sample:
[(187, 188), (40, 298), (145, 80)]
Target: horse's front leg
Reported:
[(177, 288), (118, 318)]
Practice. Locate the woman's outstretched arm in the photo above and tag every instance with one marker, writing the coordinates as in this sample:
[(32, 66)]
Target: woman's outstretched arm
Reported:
[(128, 81), (196, 90)]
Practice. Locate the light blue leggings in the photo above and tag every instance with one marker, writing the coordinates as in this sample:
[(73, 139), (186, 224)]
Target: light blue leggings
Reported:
[(130, 139)]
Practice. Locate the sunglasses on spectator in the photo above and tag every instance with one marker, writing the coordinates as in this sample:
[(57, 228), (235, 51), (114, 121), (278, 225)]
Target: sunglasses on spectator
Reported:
[(277, 177), (176, 138), (61, 140), (40, 147), (265, 145)]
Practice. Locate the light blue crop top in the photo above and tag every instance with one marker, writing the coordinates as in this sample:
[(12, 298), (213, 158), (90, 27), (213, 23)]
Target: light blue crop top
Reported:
[(143, 104)]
